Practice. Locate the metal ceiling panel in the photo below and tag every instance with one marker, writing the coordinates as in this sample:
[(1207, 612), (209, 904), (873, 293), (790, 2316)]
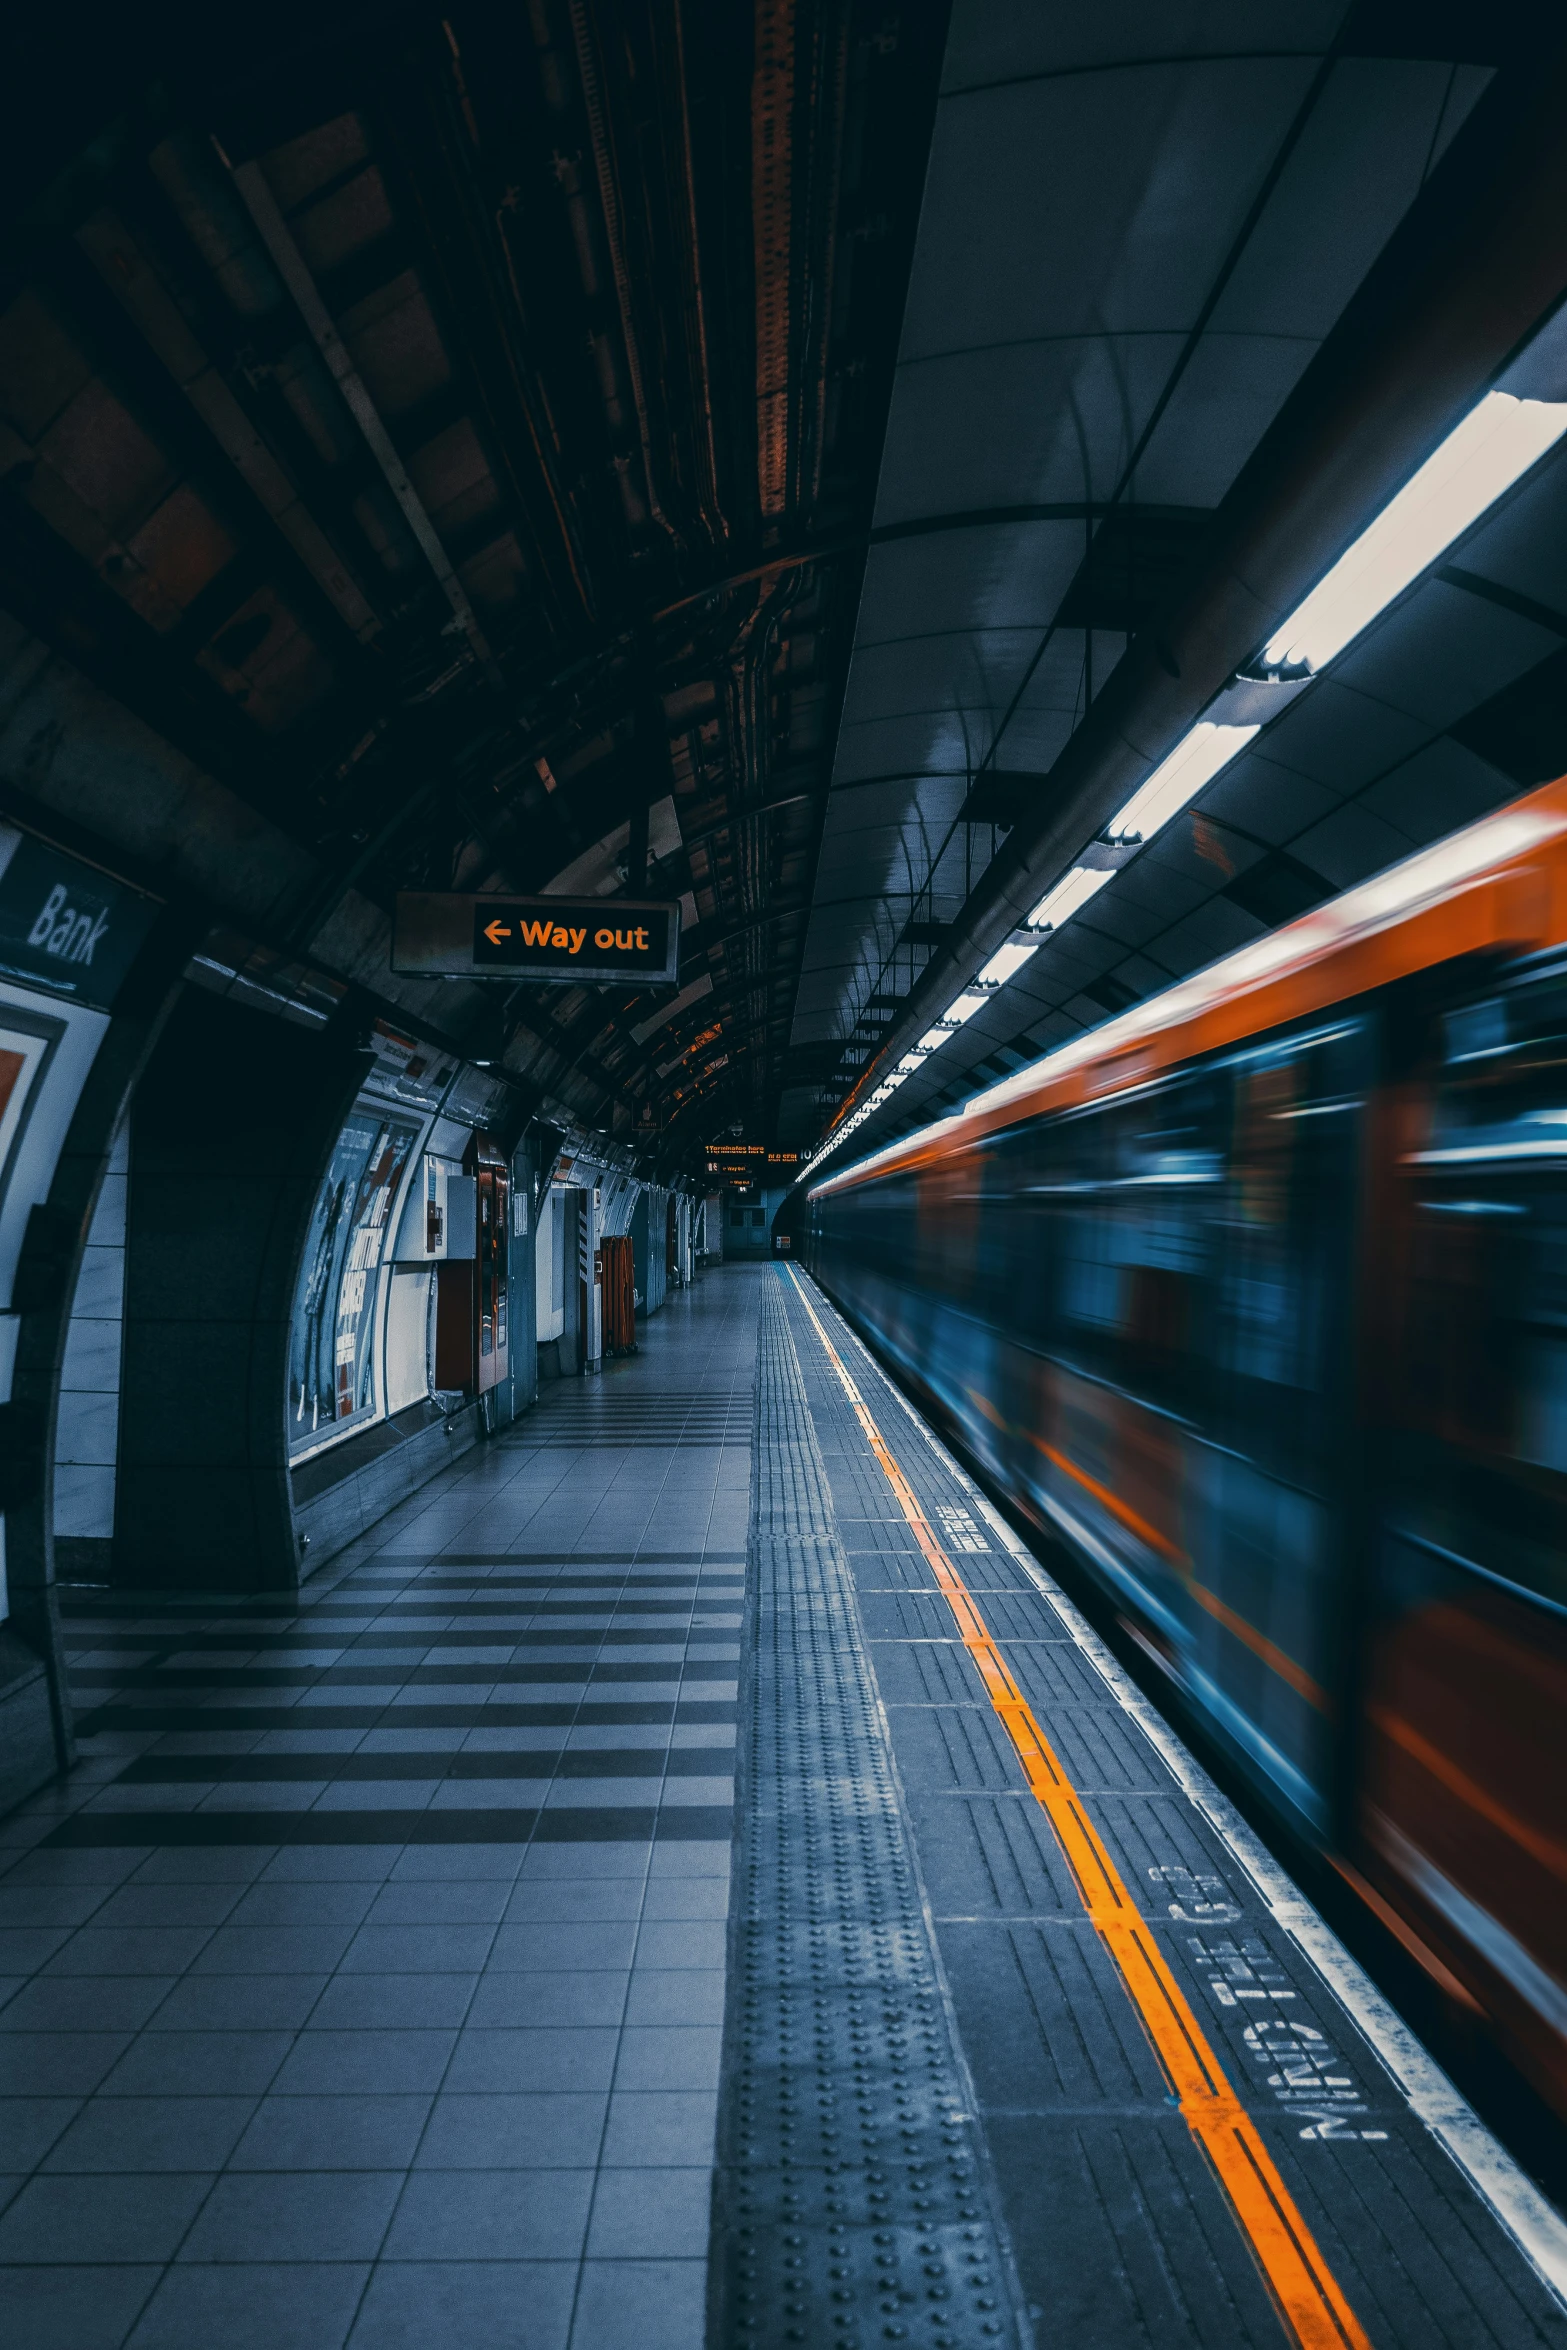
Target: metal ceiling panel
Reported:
[(1139, 225), (1008, 39)]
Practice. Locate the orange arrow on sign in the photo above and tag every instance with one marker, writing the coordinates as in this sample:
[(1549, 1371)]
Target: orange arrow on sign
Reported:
[(495, 932)]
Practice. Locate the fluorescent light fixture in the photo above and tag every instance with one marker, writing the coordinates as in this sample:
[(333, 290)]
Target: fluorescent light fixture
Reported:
[(1196, 759), (1007, 962), (1495, 446), (1497, 443), (1073, 890)]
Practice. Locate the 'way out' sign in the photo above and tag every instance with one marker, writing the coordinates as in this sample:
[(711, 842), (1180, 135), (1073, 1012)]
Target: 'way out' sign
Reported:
[(552, 939)]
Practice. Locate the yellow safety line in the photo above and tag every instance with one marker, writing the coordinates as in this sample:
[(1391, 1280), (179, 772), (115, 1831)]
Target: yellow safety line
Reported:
[(1305, 2291)]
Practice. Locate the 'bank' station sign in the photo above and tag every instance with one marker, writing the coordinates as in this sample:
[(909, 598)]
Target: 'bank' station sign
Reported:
[(556, 940), (64, 928)]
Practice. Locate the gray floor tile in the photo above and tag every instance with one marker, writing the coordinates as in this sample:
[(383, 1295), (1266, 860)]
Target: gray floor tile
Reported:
[(547, 2058), (605, 1943), (650, 2214), (676, 1995), (218, 2003), (687, 1897), (418, 1950), (152, 2134), (332, 2133), (273, 1950), (294, 2216), (432, 1863), (442, 1902), (495, 2131), (588, 1860), (575, 1900), (306, 1864), (346, 2063), (648, 2127), (57, 2064), (23, 1949), (358, 2003), (699, 1857), (78, 2306), (196, 1864), (280, 1902), (100, 2220), (491, 2215), (553, 1997), (130, 1950), (203, 1903), (85, 2003), (29, 2126), (491, 2305), (198, 2064), (640, 2305), (252, 2306), (672, 2057)]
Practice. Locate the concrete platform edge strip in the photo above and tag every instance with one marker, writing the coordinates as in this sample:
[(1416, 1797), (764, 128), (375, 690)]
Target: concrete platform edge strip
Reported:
[(1532, 2224)]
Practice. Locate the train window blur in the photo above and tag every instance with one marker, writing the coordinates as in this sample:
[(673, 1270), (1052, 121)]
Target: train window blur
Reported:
[(1133, 1191), (1289, 1219), (1482, 1465), (1466, 1673)]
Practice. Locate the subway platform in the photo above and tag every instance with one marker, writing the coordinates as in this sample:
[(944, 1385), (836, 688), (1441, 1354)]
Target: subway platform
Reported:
[(691, 1877)]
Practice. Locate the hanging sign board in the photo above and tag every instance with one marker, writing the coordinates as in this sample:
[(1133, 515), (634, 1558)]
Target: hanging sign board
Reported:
[(552, 940), (64, 928), (752, 1162)]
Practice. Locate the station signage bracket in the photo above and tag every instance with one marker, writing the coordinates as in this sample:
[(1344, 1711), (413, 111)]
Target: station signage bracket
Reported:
[(461, 934)]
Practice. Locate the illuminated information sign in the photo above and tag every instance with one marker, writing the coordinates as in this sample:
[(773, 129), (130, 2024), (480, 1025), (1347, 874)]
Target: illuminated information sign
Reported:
[(553, 940), (751, 1162)]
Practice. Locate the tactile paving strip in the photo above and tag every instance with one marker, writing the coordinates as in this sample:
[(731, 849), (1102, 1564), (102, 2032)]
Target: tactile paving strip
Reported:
[(851, 2206)]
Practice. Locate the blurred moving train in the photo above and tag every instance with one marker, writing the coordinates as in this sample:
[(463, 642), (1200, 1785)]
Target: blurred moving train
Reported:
[(1257, 1297)]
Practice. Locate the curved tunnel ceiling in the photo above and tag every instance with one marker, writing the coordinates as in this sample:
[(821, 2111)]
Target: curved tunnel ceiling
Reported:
[(451, 437), (712, 451), (1132, 252)]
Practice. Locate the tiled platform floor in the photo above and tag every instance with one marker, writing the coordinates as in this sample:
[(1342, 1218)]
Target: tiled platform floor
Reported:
[(365, 1984)]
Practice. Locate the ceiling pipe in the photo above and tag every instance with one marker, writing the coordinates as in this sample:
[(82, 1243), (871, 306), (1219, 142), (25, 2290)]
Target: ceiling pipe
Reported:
[(1477, 263), (259, 201)]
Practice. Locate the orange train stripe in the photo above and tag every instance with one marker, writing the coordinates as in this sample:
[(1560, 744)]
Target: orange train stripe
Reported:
[(1112, 1502), (1306, 2293), (1260, 1645), (1544, 1849), (1079, 1476), (1276, 1658), (1365, 939)]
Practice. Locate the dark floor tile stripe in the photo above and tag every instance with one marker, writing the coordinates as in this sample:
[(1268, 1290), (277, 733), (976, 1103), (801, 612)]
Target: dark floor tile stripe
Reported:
[(586, 1714), (543, 1762), (566, 1559), (526, 1633), (538, 1671), (586, 1824)]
